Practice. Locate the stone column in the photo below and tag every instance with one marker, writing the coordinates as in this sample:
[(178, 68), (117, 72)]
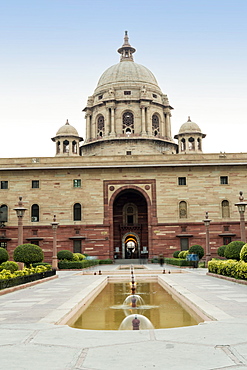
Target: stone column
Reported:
[(112, 133), (88, 126), (168, 125), (149, 122), (143, 131)]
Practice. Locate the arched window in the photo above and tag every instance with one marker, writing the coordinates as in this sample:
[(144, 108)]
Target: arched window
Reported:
[(183, 145), (225, 209), (191, 143), (128, 123), (58, 147), (77, 212), (35, 213), (199, 144), (66, 146), (155, 125), (3, 213), (130, 214), (74, 147), (183, 209), (100, 126)]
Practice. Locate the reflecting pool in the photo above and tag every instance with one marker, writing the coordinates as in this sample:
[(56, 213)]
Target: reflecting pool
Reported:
[(113, 304)]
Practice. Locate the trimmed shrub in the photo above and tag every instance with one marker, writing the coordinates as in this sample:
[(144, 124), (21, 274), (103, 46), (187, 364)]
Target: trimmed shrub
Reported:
[(67, 265), (177, 261), (78, 257), (105, 262), (183, 254), (231, 268), (221, 251), (4, 256), (197, 249), (243, 253), (28, 253), (10, 265), (65, 255), (175, 254), (233, 249), (47, 265)]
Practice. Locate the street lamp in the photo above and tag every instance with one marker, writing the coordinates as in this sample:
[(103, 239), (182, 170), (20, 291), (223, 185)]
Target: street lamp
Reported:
[(54, 226), (241, 209), (20, 211), (208, 252)]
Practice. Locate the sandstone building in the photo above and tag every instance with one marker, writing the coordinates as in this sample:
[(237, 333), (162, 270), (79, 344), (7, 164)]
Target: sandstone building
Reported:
[(128, 189)]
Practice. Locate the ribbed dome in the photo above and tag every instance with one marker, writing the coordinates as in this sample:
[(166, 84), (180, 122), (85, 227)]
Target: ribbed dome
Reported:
[(127, 72), (67, 130), (189, 127)]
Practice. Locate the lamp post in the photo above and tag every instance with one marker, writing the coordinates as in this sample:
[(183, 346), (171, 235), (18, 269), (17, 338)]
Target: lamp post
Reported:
[(20, 211), (208, 252), (241, 209), (54, 226)]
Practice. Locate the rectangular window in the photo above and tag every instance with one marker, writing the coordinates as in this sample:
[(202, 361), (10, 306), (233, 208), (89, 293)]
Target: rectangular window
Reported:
[(77, 183), (182, 181), (184, 244), (127, 92), (226, 240), (77, 246), (223, 180), (3, 245), (35, 242), (35, 184), (4, 184), (128, 152)]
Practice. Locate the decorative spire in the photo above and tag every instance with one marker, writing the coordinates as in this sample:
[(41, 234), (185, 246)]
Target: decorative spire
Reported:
[(126, 50), (67, 122), (189, 120)]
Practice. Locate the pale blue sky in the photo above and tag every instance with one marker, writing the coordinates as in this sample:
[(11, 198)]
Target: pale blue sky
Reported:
[(54, 51)]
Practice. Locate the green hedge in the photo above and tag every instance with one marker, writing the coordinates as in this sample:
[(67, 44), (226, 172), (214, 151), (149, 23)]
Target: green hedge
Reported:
[(106, 262), (178, 262), (231, 268), (76, 264)]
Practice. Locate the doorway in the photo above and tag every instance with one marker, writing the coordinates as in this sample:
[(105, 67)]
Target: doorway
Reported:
[(130, 224)]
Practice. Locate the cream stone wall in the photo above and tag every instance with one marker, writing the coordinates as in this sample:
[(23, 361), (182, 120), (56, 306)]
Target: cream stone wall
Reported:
[(56, 195)]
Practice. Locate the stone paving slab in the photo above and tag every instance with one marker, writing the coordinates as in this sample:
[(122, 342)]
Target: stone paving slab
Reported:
[(30, 340)]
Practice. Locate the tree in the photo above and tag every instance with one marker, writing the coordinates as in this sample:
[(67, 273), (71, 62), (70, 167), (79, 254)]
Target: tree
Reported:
[(197, 249), (4, 256), (233, 249), (221, 251), (28, 253), (65, 255)]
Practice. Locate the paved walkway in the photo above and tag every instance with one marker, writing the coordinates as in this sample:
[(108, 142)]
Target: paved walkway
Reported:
[(30, 340)]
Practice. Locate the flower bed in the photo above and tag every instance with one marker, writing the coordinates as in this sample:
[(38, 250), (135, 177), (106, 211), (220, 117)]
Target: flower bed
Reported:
[(27, 275), (231, 268)]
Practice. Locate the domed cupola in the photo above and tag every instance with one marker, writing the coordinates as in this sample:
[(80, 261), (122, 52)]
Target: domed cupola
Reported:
[(67, 141), (128, 113), (190, 138)]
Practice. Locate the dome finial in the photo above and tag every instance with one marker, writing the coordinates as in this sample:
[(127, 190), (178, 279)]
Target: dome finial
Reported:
[(67, 122), (189, 120), (126, 50)]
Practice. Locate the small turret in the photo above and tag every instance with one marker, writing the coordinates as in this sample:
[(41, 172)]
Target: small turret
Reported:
[(189, 138), (67, 141)]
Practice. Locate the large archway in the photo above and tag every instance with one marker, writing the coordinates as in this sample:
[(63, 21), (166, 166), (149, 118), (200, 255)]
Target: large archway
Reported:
[(130, 225)]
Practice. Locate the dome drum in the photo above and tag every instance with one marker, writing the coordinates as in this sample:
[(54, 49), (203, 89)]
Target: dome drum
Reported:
[(132, 146)]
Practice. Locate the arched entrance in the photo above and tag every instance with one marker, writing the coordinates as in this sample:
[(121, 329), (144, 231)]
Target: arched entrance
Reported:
[(130, 225), (131, 245)]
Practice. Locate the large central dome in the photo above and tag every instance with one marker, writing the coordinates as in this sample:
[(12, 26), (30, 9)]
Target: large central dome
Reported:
[(128, 114), (127, 72)]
